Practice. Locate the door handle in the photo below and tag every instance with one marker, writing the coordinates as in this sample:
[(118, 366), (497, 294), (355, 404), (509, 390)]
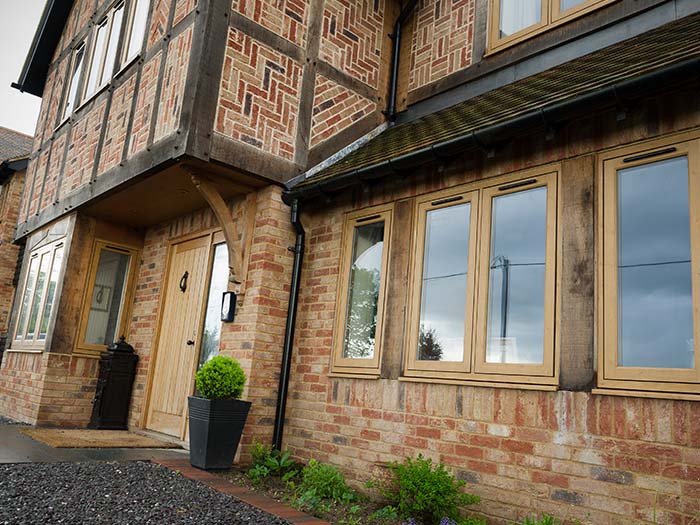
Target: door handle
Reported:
[(190, 342)]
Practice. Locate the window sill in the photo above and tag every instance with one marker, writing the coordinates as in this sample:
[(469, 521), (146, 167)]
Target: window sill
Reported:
[(127, 65), (354, 375), (61, 124), (20, 350), (645, 394), (472, 382)]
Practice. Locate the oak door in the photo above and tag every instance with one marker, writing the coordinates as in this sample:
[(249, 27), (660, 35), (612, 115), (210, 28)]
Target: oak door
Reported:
[(179, 340)]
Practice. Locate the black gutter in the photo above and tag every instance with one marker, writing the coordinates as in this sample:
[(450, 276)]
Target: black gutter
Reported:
[(550, 114), (395, 56), (295, 219)]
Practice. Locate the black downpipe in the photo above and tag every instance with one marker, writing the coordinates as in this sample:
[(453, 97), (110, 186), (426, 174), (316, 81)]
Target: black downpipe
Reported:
[(395, 55), (295, 219)]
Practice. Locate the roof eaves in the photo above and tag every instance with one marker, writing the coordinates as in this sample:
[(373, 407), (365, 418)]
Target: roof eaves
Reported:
[(53, 19)]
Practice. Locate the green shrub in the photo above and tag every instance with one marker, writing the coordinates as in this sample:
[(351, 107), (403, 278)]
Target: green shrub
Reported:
[(326, 481), (425, 492), (221, 377), (268, 461)]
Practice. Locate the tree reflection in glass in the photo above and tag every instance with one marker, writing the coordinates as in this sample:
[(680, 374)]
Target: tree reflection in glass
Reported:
[(363, 293), (516, 278), (444, 284), (655, 304)]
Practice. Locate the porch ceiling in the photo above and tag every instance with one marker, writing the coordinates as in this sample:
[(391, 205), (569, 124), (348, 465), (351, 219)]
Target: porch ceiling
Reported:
[(166, 194)]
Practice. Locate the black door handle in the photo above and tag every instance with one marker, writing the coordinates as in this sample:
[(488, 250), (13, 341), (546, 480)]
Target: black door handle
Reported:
[(190, 342)]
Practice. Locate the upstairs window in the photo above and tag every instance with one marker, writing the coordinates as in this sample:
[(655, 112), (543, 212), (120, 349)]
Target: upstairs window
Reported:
[(38, 296), (514, 20), (76, 70), (358, 335), (136, 30), (104, 50), (651, 269)]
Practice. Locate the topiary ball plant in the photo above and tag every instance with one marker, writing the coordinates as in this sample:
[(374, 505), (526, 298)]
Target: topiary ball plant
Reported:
[(221, 377)]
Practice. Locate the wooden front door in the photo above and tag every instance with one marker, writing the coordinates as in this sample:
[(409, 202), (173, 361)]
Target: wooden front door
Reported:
[(178, 344)]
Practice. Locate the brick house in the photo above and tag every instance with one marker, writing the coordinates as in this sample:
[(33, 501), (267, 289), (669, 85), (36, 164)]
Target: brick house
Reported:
[(14, 157), (481, 268)]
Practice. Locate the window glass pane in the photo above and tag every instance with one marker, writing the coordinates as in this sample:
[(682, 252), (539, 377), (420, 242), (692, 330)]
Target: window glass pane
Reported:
[(517, 15), (94, 76), (107, 297), (44, 267), (516, 278), (28, 292), (74, 78), (212, 319), (138, 28), (568, 4), (444, 286), (655, 304), (363, 293), (111, 55), (51, 292)]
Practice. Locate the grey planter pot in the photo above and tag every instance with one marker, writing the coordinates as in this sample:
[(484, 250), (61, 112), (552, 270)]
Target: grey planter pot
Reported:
[(216, 426)]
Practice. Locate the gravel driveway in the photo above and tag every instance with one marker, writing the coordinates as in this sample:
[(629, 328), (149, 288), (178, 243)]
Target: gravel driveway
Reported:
[(120, 493)]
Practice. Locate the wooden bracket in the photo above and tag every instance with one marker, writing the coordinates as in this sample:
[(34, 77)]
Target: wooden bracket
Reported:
[(235, 256)]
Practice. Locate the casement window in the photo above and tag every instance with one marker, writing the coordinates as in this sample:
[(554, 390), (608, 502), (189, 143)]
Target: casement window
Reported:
[(38, 296), (650, 276), (104, 317), (483, 293), (76, 70), (358, 334), (104, 50), (514, 20), (135, 30)]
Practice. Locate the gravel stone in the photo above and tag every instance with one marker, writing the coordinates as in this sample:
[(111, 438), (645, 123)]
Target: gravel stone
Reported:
[(118, 493)]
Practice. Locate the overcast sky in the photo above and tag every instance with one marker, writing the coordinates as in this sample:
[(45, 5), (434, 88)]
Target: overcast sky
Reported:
[(18, 111)]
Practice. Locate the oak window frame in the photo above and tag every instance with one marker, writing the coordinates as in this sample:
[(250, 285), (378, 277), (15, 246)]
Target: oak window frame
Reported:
[(101, 62), (644, 381), (72, 98), (360, 366), (474, 369), (129, 55), (551, 16), (83, 347), (49, 252)]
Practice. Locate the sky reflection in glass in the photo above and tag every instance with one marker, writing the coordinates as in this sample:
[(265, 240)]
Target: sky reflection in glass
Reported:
[(516, 278), (444, 284), (655, 308)]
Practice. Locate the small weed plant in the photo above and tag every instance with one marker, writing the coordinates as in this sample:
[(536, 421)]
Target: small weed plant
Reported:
[(268, 461), (542, 520), (321, 487), (425, 492)]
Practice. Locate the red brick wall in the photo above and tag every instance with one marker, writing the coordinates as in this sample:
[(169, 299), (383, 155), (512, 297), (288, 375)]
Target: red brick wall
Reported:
[(10, 195), (336, 108), (145, 104), (604, 460), (82, 150), (442, 40), (287, 18), (352, 38), (173, 86), (259, 96), (21, 385), (117, 124)]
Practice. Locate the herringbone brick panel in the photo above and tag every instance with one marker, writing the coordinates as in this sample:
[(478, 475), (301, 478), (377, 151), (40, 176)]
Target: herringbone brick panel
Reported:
[(259, 96), (351, 39), (442, 40), (335, 109), (287, 18)]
